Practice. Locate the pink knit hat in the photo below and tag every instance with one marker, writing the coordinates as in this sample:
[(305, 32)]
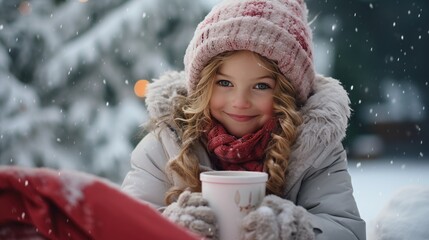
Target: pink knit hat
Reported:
[(276, 29)]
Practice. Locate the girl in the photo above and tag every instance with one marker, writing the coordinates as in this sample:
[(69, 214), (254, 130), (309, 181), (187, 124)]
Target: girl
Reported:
[(249, 99)]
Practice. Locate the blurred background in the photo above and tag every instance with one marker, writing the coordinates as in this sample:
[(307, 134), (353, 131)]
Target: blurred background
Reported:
[(68, 70)]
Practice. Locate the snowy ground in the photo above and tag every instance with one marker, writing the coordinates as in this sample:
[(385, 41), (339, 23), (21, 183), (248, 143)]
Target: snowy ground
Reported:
[(376, 181)]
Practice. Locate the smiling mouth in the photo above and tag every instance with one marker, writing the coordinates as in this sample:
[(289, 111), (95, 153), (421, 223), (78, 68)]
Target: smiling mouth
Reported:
[(240, 118)]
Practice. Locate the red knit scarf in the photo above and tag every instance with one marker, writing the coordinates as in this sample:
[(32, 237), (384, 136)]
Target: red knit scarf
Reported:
[(246, 153)]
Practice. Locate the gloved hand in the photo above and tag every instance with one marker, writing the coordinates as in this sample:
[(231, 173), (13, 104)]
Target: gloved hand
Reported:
[(277, 218), (192, 212)]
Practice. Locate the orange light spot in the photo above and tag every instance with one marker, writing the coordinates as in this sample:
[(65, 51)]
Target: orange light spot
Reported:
[(24, 8), (140, 88)]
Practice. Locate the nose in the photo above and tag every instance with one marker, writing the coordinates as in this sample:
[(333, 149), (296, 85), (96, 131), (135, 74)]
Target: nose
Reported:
[(241, 100)]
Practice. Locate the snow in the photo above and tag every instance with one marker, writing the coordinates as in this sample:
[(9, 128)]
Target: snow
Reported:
[(97, 40), (210, 3), (404, 217), (67, 72), (376, 181), (73, 185), (401, 102)]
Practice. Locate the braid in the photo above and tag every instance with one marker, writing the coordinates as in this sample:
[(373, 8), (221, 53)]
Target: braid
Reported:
[(277, 156), (193, 117)]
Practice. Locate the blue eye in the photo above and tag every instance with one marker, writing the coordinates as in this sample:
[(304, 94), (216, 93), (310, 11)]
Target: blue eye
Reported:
[(262, 86), (224, 83)]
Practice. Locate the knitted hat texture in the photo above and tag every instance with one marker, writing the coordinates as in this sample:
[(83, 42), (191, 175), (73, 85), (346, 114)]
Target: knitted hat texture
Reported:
[(275, 29)]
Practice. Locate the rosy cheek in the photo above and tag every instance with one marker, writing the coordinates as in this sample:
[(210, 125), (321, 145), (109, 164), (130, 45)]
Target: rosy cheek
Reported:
[(216, 100), (213, 104), (267, 107)]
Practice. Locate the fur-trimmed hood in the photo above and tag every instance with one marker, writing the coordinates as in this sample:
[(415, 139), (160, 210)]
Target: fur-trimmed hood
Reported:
[(325, 117)]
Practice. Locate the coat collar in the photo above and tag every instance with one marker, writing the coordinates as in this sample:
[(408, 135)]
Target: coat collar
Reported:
[(325, 121), (325, 118)]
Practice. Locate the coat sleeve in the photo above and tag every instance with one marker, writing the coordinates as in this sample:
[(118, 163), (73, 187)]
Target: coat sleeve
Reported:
[(327, 194), (147, 179)]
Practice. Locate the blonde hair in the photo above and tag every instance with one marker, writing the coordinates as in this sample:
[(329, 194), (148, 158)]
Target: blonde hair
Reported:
[(192, 118)]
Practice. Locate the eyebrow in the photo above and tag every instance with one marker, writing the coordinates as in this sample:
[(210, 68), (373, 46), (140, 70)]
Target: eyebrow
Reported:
[(261, 77)]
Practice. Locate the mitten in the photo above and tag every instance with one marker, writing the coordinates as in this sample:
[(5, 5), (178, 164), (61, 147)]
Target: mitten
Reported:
[(192, 212), (277, 218)]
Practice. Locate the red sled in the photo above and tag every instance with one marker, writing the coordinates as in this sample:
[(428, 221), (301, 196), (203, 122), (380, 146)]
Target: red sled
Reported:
[(41, 203)]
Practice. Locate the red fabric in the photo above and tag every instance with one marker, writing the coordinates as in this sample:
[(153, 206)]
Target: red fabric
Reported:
[(245, 153), (53, 204)]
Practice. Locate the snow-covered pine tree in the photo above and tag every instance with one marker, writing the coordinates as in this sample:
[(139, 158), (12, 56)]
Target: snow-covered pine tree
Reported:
[(67, 71)]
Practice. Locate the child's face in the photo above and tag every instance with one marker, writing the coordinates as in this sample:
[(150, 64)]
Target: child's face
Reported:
[(242, 97)]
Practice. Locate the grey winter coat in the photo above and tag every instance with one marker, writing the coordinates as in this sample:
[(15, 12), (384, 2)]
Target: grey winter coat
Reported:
[(317, 177)]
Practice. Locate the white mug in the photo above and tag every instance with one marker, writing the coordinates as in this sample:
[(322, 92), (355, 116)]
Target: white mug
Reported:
[(232, 195)]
